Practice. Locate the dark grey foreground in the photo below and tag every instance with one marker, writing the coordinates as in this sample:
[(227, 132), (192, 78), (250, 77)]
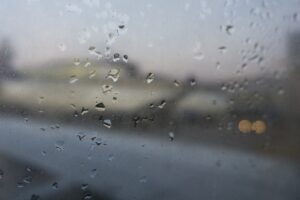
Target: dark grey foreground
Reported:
[(126, 166)]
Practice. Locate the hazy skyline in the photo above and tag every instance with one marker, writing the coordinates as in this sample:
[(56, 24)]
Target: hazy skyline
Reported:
[(179, 38)]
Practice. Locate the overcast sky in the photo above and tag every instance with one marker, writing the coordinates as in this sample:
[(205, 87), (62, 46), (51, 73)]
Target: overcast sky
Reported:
[(208, 39)]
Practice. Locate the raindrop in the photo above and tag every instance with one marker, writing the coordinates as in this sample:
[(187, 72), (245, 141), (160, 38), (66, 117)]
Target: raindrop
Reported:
[(98, 55), (92, 49), (87, 64), (199, 56), (35, 197), (20, 185), (111, 157), (92, 74), (84, 111), (87, 197), (115, 100), (107, 123), (218, 65), (193, 82), (59, 145), (113, 74), (76, 61), (81, 136), (62, 47), (176, 83), (121, 26), (107, 89), (1, 174), (84, 186), (150, 78), (222, 49), (93, 173), (125, 58), (143, 179), (116, 57), (55, 185), (27, 179), (73, 79), (100, 106), (171, 136), (162, 104), (43, 153), (229, 29)]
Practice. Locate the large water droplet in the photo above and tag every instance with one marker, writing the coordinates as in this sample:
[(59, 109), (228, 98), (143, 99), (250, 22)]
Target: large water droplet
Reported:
[(113, 74), (150, 78), (107, 123), (100, 106), (84, 111)]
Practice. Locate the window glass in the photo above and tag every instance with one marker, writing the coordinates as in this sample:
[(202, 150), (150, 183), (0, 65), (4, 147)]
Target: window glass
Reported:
[(149, 99)]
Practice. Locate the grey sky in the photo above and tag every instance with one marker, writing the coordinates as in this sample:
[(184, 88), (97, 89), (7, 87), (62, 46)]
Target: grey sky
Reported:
[(172, 37)]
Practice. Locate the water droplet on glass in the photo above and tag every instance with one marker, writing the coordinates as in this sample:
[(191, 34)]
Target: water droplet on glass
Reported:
[(222, 49), (176, 83), (100, 106), (73, 79), (110, 157), (171, 136), (76, 61), (92, 74), (84, 186), (93, 173), (107, 123), (116, 57), (162, 104), (87, 197), (87, 64), (55, 185), (193, 82), (115, 100), (62, 47), (121, 26), (199, 56), (125, 58), (59, 145), (107, 89), (84, 111), (27, 179), (113, 74), (92, 49), (229, 29), (150, 78), (35, 197), (81, 136), (143, 179), (1, 174)]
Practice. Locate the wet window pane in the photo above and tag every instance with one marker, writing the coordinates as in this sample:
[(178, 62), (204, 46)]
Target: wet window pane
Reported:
[(149, 99)]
